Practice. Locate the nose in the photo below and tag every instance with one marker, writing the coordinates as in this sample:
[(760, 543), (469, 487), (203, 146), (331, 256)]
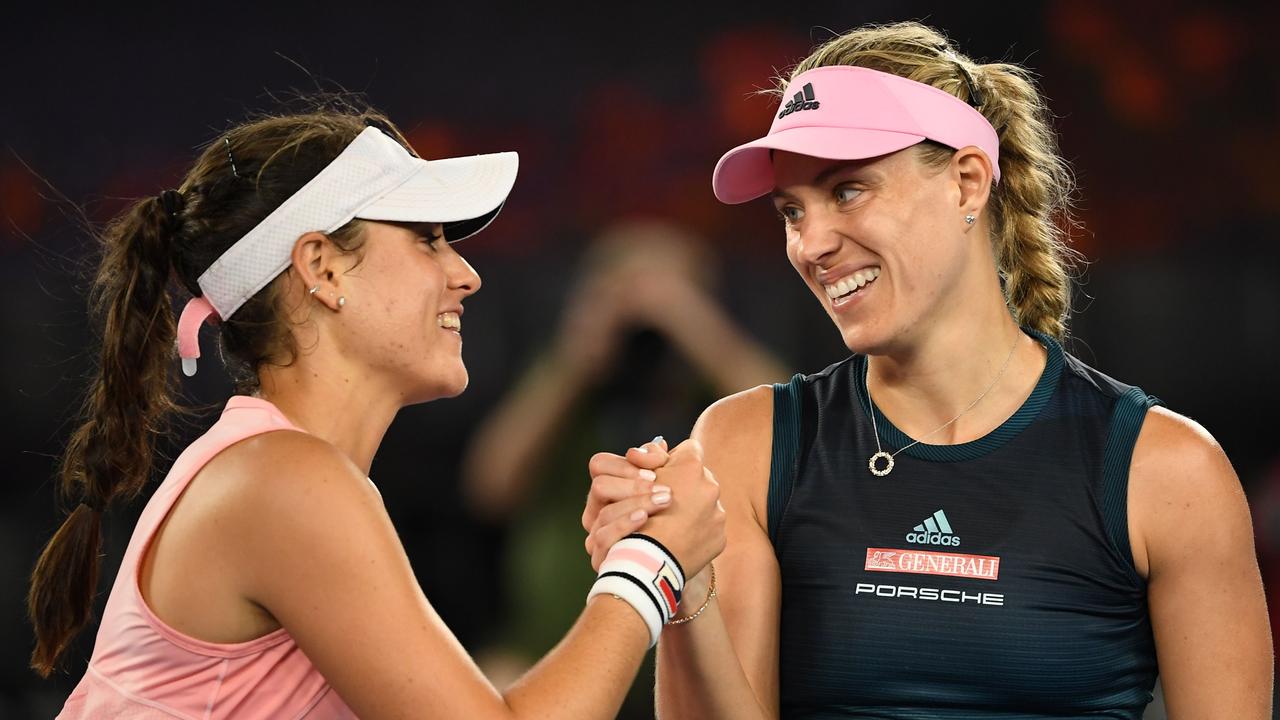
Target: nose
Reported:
[(818, 237), (462, 276)]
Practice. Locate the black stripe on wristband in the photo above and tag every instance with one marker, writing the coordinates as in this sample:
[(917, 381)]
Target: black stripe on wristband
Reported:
[(662, 614), (663, 548)]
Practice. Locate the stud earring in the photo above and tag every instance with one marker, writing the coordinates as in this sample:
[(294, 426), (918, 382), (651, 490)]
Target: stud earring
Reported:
[(342, 300), (969, 219), (313, 290)]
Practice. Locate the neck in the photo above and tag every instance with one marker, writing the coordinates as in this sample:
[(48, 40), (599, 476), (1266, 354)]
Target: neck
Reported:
[(935, 377), (332, 403)]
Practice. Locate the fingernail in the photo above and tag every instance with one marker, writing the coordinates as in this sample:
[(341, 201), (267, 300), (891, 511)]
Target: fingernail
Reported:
[(642, 449), (648, 475), (657, 439), (661, 498), (639, 515), (660, 488)]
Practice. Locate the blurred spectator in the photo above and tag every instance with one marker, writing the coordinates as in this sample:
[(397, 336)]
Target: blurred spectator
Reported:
[(640, 348)]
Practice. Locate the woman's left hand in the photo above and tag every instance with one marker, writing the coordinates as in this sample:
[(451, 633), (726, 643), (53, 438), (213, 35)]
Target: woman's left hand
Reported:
[(621, 485)]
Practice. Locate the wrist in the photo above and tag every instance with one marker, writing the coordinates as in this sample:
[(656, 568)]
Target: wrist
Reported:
[(641, 572), (701, 589)]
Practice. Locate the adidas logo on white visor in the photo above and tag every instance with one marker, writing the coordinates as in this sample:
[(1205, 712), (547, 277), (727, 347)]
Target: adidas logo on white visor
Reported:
[(935, 530)]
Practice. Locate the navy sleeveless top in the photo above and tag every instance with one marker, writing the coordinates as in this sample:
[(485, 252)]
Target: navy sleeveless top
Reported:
[(989, 579)]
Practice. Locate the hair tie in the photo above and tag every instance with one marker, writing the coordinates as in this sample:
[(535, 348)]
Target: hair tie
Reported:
[(172, 202)]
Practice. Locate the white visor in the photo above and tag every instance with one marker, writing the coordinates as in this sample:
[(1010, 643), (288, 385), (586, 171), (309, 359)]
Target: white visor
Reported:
[(374, 178)]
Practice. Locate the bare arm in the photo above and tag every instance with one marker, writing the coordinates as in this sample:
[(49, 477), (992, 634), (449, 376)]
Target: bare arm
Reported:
[(350, 599), (1192, 538), (724, 664)]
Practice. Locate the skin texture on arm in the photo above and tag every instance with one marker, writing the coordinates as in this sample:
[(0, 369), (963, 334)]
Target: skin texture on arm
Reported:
[(1192, 539), (724, 664), (353, 605)]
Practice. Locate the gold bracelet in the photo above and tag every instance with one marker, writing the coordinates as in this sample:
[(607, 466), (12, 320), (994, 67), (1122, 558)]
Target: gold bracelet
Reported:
[(711, 594)]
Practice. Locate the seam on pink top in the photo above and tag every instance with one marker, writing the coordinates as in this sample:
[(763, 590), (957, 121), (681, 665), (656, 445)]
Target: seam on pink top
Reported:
[(139, 699), (186, 642), (314, 702), (217, 688)]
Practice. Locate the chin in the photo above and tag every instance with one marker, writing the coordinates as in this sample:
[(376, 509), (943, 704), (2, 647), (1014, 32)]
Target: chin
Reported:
[(455, 389), (862, 339), (438, 387)]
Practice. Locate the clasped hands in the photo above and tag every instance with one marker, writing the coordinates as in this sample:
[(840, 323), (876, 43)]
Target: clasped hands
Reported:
[(668, 495)]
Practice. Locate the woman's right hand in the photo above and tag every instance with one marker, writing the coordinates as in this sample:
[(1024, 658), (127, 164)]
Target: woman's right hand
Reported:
[(690, 525)]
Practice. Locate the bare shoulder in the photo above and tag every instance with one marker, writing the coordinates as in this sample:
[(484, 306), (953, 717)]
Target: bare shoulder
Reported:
[(736, 420), (279, 496), (257, 474), (1181, 486), (1175, 454), (736, 433)]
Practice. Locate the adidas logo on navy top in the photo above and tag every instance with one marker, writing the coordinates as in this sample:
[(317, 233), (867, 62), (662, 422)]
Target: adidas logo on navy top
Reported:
[(935, 530), (803, 100)]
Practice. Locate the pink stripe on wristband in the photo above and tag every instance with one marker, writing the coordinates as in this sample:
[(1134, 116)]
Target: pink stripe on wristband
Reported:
[(639, 557)]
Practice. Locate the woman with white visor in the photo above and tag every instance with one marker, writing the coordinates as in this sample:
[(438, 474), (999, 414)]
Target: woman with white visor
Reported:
[(961, 520), (264, 579)]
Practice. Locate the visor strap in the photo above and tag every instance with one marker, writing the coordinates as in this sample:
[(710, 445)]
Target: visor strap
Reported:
[(196, 312)]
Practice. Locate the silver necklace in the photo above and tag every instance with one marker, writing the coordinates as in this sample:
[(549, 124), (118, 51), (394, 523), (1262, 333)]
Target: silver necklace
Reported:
[(888, 458)]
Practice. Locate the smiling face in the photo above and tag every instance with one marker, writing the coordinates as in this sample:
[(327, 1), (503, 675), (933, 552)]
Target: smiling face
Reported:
[(402, 322), (880, 242)]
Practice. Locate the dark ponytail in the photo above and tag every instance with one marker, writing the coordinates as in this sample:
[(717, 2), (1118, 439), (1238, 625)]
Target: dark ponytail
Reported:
[(109, 455)]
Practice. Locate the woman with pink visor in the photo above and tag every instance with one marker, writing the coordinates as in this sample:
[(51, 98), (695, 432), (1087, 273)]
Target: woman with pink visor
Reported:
[(264, 579), (961, 520)]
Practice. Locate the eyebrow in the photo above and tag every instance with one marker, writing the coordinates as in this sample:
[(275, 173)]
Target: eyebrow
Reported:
[(823, 177)]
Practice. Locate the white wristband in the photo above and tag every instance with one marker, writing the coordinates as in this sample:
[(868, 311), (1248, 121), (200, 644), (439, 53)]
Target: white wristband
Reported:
[(639, 570), (625, 589)]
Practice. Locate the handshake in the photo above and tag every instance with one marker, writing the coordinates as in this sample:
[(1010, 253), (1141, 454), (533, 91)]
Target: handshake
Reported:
[(668, 495)]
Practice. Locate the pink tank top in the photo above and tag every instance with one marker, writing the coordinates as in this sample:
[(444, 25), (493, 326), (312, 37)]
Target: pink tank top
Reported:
[(142, 669)]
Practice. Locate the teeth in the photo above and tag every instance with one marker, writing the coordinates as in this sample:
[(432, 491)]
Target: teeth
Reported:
[(850, 284), (449, 320)]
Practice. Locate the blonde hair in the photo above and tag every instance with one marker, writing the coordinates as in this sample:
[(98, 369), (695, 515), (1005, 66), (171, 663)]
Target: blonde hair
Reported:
[(1031, 206)]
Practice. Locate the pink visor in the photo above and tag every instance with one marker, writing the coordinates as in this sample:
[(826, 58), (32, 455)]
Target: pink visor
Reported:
[(852, 113)]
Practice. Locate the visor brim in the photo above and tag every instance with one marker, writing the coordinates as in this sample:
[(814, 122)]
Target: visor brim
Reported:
[(746, 172), (465, 194)]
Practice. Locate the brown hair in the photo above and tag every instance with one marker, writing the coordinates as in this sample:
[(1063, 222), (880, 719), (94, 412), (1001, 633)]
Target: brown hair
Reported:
[(1031, 205), (234, 184)]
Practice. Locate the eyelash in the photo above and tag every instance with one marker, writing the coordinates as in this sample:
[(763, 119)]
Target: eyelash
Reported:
[(843, 188), (431, 240)]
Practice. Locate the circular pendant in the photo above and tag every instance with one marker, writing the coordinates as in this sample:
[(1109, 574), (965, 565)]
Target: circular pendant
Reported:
[(888, 467)]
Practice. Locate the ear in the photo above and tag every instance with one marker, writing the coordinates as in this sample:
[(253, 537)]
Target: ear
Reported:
[(973, 172), (319, 265)]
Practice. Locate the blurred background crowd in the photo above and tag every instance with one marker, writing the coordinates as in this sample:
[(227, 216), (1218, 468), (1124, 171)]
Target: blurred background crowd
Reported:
[(619, 298)]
